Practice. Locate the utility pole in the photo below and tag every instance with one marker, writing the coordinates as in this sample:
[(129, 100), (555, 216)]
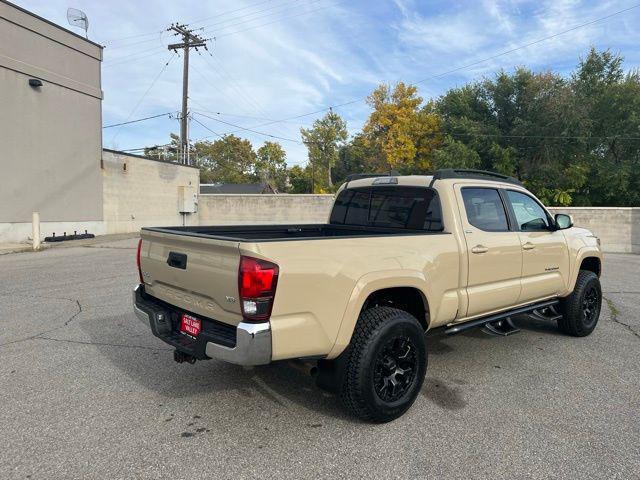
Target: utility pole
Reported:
[(189, 40)]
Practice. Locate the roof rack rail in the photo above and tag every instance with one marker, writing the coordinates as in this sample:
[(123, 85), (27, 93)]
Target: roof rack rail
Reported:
[(359, 176), (474, 174)]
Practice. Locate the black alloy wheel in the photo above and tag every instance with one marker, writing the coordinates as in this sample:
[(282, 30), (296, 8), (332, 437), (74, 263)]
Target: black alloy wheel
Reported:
[(395, 369)]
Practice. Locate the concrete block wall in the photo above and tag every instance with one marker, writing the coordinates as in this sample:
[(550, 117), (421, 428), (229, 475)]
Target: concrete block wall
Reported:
[(617, 227), (139, 192), (263, 209)]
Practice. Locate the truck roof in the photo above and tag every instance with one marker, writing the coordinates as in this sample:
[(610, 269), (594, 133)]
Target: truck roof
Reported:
[(425, 181)]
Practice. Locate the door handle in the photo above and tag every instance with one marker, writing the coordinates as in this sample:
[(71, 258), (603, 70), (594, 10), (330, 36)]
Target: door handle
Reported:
[(528, 246), (479, 249)]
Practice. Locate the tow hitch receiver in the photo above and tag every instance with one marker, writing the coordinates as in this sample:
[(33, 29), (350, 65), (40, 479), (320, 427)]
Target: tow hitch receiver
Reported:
[(181, 357)]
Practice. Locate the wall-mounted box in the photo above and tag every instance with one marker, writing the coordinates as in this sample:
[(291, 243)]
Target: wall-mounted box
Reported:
[(187, 199)]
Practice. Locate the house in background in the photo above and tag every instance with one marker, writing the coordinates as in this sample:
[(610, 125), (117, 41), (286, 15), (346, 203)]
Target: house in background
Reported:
[(237, 188)]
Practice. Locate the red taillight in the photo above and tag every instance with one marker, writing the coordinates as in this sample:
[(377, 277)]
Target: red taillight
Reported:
[(257, 281), (138, 261)]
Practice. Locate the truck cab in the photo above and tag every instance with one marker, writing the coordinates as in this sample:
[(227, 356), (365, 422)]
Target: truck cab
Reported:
[(398, 256)]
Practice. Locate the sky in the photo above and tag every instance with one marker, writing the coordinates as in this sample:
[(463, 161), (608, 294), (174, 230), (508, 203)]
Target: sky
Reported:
[(278, 59)]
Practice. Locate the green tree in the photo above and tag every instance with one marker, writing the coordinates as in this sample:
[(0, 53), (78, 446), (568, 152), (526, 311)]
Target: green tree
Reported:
[(610, 101), (323, 141), (353, 157), (228, 160), (455, 154), (299, 179), (521, 124), (271, 165), (168, 153)]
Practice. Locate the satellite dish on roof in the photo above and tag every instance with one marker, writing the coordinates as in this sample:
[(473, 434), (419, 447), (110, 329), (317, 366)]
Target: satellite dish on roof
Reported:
[(77, 18)]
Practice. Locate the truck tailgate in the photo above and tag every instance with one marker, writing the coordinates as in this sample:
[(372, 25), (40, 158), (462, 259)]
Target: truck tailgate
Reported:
[(196, 274)]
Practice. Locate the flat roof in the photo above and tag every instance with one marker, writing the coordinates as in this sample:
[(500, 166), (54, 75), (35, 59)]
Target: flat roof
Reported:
[(127, 154), (70, 32)]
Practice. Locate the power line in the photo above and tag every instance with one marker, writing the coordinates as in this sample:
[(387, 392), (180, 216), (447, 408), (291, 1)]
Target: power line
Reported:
[(549, 37), (243, 116), (527, 45), (275, 21), (139, 42), (130, 57), (156, 50), (228, 12), (540, 137), (240, 94), (279, 9), (138, 120), (203, 125), (475, 134), (248, 129), (189, 40), (251, 129), (164, 67), (139, 35), (236, 84), (156, 32)]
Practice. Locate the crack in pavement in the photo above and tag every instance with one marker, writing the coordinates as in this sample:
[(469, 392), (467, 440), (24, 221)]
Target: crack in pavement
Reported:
[(72, 317), (66, 323), (60, 286), (614, 316), (40, 336), (80, 342)]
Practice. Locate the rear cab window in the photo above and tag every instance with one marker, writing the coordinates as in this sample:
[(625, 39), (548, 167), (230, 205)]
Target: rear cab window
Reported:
[(407, 208)]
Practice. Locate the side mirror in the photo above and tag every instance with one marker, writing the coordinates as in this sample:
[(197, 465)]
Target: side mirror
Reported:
[(563, 221)]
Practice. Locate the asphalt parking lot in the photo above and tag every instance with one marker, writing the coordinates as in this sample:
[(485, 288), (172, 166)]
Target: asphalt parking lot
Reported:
[(87, 392)]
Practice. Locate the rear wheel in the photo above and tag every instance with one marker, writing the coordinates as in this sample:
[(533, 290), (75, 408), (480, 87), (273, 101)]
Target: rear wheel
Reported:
[(581, 309), (385, 365)]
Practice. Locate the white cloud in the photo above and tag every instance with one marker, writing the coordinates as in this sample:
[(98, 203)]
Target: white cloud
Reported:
[(336, 52)]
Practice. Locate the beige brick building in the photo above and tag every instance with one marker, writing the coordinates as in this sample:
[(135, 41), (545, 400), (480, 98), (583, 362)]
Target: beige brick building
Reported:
[(51, 161)]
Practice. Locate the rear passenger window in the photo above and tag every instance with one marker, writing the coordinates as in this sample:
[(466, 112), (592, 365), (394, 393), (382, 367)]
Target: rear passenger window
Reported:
[(485, 209), (412, 208)]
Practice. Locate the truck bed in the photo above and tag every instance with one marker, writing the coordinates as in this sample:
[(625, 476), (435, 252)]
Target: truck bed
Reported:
[(266, 233)]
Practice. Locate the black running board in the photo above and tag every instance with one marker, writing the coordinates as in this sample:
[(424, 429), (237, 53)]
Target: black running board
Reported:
[(479, 322), (500, 328)]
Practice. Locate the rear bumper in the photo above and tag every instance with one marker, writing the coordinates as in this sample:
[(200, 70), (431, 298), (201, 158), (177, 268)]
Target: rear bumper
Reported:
[(247, 344)]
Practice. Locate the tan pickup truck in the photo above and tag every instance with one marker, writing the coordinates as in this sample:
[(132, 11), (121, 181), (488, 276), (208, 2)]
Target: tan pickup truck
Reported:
[(399, 256)]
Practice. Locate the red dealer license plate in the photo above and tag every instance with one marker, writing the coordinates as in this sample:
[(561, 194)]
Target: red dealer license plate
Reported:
[(190, 325)]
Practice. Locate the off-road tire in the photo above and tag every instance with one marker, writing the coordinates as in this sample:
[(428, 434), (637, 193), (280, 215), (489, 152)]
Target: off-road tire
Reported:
[(378, 337), (579, 319)]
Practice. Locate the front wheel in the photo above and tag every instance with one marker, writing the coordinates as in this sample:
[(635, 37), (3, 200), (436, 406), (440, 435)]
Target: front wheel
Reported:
[(385, 366), (581, 310)]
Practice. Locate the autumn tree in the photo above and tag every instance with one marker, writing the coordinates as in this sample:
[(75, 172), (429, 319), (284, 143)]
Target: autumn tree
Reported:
[(399, 133), (323, 141)]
